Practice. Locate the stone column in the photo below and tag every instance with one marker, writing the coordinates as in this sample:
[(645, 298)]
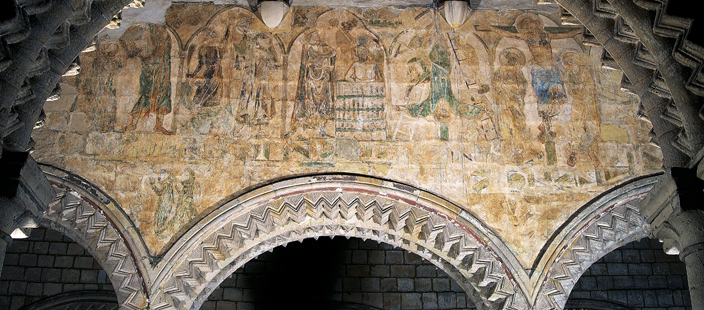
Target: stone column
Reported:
[(4, 243), (693, 257), (23, 205), (691, 236), (674, 209)]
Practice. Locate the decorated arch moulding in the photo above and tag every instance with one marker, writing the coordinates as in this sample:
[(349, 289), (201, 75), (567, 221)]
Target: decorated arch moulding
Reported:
[(337, 205), (603, 225), (342, 205), (84, 213), (78, 300)]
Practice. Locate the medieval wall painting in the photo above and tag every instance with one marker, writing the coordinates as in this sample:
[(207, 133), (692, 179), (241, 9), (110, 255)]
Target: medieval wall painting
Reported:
[(150, 44), (340, 89), (509, 116)]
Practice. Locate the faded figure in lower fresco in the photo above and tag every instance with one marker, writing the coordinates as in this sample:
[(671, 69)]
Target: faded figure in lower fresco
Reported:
[(315, 93), (185, 207), (584, 123), (208, 74), (152, 45), (163, 187)]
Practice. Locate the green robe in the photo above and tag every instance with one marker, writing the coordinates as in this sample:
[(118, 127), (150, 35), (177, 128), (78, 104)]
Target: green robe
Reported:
[(441, 88), (155, 80)]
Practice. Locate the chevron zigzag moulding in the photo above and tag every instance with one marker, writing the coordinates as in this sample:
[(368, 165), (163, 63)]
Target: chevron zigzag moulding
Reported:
[(351, 206), (610, 229), (78, 218), (237, 238)]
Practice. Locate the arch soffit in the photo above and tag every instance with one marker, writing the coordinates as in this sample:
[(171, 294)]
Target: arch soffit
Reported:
[(76, 300)]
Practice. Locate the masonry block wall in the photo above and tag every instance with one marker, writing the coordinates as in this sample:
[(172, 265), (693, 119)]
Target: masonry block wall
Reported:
[(46, 264), (638, 275), (338, 274), (341, 273)]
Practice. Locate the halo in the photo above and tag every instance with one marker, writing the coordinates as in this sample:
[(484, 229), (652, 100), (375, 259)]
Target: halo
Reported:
[(577, 53), (503, 57), (525, 16)]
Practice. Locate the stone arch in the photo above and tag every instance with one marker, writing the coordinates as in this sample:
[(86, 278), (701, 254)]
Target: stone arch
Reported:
[(76, 300), (586, 304), (80, 211), (337, 205), (609, 222), (651, 49)]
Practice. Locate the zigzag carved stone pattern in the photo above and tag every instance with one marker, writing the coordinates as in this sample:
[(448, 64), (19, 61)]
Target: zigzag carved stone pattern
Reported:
[(619, 224), (78, 217), (241, 236)]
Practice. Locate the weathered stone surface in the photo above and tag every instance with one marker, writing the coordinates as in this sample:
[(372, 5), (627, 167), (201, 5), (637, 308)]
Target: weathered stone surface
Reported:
[(227, 103)]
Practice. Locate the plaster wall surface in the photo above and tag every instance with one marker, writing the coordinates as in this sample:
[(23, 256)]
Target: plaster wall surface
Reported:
[(509, 116)]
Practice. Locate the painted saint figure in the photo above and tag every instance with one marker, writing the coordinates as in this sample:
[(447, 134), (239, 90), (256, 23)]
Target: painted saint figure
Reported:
[(440, 88), (546, 75), (208, 75), (363, 70), (152, 44), (584, 123), (163, 187), (510, 85), (260, 106), (99, 98), (315, 94), (185, 208)]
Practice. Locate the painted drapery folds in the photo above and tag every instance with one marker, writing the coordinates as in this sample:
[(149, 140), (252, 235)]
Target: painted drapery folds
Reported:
[(510, 116)]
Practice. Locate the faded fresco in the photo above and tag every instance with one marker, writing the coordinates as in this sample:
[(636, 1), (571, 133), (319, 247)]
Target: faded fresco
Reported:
[(510, 116)]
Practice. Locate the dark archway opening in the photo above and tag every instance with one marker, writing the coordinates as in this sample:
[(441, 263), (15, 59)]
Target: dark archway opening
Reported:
[(638, 276), (338, 273), (46, 265)]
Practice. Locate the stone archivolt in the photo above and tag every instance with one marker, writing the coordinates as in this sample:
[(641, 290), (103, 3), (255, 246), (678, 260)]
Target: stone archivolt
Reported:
[(79, 217), (351, 206), (599, 228), (80, 300), (334, 206)]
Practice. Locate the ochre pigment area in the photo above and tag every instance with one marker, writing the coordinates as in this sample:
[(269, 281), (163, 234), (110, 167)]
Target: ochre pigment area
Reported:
[(509, 116)]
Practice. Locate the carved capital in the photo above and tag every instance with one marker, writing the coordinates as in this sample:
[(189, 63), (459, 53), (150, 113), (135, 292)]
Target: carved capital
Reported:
[(674, 210)]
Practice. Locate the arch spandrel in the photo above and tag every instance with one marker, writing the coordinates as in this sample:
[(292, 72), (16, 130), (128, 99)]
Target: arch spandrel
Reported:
[(233, 131)]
